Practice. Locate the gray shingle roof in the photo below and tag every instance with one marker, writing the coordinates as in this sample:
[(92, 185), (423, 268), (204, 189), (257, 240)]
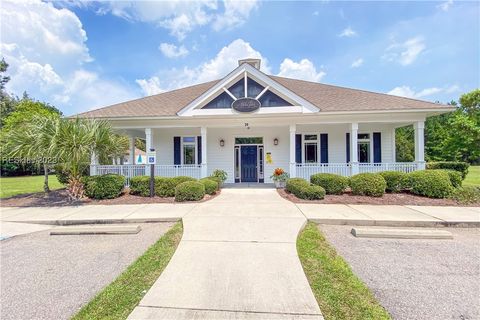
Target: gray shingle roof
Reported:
[(325, 97)]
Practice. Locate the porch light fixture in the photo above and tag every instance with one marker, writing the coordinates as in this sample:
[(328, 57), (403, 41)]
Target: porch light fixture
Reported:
[(275, 142), (222, 142)]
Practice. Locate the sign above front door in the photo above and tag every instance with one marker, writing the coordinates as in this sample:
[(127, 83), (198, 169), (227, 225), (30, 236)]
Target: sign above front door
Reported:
[(246, 105)]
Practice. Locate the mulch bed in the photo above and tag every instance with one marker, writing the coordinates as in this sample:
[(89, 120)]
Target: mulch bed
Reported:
[(403, 198), (61, 198)]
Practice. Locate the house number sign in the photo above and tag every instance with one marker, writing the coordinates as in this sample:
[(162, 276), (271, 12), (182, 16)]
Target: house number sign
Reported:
[(246, 105)]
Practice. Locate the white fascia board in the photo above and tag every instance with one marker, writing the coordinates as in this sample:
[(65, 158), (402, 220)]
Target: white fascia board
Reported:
[(240, 71), (231, 112)]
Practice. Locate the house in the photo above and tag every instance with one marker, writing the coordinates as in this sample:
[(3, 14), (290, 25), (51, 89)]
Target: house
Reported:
[(250, 123)]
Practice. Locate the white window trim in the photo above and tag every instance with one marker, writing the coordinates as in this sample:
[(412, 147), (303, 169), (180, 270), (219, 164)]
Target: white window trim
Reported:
[(370, 141), (182, 151)]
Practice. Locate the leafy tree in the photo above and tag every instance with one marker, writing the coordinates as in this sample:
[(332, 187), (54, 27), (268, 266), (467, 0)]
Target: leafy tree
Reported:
[(140, 144), (25, 110), (32, 141), (405, 149), (7, 103)]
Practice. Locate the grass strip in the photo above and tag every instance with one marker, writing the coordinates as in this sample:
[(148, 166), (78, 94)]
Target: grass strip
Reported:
[(339, 292), (12, 186), (119, 298)]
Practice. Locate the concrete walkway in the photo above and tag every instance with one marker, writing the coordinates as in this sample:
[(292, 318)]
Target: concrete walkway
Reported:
[(237, 260)]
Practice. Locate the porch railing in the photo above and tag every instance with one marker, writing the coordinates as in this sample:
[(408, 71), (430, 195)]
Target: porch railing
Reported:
[(129, 171), (305, 170)]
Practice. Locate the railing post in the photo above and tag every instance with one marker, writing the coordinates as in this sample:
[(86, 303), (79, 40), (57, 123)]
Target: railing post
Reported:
[(293, 164)]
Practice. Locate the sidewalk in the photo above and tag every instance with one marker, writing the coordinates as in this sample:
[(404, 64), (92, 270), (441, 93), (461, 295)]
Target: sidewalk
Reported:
[(391, 215), (237, 260), (339, 214)]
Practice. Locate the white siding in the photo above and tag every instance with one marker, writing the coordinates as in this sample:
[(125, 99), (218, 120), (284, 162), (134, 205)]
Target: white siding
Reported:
[(223, 157)]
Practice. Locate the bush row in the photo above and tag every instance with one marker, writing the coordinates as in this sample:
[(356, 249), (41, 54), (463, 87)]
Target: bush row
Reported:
[(182, 188), (304, 190), (433, 183), (461, 167)]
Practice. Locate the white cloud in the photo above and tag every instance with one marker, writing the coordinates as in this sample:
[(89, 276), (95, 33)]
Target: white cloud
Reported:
[(182, 17), (235, 14), (170, 50), (357, 63), (348, 32), (225, 61), (406, 91), (150, 86), (218, 67), (304, 70), (445, 6), (407, 52), (47, 53)]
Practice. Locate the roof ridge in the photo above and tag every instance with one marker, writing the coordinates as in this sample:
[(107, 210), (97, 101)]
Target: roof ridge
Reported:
[(362, 90)]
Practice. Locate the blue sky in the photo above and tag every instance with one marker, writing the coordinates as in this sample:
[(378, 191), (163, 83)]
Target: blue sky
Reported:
[(82, 55)]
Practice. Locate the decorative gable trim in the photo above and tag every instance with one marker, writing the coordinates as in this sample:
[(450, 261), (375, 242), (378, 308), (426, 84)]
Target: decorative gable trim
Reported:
[(300, 105)]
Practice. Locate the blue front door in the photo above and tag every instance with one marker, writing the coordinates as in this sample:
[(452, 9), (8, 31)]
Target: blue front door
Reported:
[(249, 163)]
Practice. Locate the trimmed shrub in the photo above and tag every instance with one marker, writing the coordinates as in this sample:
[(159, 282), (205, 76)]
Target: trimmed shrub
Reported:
[(394, 180), (181, 179), (221, 174), (165, 187), (304, 190), (218, 180), (429, 183), (140, 185), (455, 177), (211, 186), (107, 186), (368, 184), (332, 183), (459, 166), (467, 194), (189, 191), (61, 174)]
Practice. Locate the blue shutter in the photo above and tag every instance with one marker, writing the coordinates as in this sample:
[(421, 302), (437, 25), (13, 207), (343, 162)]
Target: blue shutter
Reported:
[(176, 150), (298, 148), (324, 148), (377, 147), (347, 140), (199, 149)]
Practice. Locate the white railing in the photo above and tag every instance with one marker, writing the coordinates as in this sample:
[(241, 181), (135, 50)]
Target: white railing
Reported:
[(178, 170), (305, 170), (129, 171), (378, 167)]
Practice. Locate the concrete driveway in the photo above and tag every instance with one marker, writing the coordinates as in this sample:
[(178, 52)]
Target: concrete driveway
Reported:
[(52, 277), (417, 279), (237, 260)]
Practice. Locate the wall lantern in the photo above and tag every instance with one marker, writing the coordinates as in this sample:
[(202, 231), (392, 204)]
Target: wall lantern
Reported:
[(275, 142), (222, 142)]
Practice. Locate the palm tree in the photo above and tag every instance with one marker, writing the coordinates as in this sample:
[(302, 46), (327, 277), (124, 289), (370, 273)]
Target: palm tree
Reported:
[(76, 140), (32, 142), (70, 141)]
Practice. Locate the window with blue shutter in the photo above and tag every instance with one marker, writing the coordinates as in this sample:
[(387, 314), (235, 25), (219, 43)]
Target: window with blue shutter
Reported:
[(176, 151), (347, 143), (199, 149), (298, 148), (324, 148), (377, 147)]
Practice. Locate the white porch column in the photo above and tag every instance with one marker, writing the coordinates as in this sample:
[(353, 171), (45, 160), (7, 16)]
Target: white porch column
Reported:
[(204, 168), (131, 158), (93, 164), (148, 139), (354, 148), (394, 145), (293, 164), (419, 144)]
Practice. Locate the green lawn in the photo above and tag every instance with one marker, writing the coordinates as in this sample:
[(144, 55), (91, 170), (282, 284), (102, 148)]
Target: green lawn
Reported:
[(339, 292), (473, 177), (12, 186), (121, 296)]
